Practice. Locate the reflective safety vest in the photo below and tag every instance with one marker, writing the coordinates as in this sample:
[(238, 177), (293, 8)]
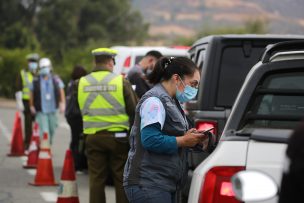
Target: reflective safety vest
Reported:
[(101, 101), (27, 79)]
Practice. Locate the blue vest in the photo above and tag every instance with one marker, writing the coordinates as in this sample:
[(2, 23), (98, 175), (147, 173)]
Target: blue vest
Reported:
[(146, 168)]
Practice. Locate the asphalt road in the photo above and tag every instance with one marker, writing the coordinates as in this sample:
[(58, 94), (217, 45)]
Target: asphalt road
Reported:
[(14, 179)]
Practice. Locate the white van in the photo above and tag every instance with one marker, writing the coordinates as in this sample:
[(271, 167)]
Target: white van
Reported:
[(128, 56)]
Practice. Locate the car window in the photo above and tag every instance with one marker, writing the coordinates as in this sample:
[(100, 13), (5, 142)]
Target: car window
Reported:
[(235, 65), (278, 102), (201, 58)]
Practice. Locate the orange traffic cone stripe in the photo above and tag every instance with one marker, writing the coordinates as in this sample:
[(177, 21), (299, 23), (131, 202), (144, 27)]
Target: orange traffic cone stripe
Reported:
[(32, 158), (45, 173)]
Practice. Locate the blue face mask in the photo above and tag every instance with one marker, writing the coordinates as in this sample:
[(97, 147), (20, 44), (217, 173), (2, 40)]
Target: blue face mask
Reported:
[(45, 71), (33, 66), (188, 93)]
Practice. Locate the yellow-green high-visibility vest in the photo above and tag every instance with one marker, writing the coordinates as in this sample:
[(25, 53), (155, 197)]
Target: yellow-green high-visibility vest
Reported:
[(27, 79), (101, 101)]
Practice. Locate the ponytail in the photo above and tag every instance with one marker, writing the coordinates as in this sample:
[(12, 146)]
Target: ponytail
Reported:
[(168, 66)]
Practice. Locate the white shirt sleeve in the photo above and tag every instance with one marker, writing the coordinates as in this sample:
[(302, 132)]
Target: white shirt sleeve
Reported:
[(152, 111)]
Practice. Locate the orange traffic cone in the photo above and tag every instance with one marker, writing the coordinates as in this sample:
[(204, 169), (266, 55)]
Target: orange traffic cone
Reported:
[(67, 191), (17, 145), (45, 143), (32, 158), (35, 134), (45, 173)]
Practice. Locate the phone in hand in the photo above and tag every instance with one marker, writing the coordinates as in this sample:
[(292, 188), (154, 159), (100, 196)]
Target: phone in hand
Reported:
[(205, 131)]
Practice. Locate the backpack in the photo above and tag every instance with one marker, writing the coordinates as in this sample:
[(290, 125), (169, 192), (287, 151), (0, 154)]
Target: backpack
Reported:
[(72, 109)]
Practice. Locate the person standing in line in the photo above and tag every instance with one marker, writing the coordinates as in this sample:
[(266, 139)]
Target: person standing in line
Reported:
[(74, 119), (24, 81), (138, 74), (156, 168), (107, 102), (47, 95)]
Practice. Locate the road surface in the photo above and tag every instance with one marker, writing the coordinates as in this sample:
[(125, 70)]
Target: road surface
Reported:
[(14, 179)]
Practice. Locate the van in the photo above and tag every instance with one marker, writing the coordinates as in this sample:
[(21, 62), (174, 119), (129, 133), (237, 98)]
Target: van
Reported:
[(128, 56)]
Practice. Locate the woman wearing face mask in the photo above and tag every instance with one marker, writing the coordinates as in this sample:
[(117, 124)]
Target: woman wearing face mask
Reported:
[(156, 166), (47, 95)]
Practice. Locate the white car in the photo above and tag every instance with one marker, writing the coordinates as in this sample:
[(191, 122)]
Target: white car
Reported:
[(127, 56), (269, 105)]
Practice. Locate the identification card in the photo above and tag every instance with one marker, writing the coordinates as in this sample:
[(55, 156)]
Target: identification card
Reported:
[(48, 96)]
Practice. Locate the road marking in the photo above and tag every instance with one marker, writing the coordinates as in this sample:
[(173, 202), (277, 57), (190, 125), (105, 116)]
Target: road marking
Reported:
[(5, 131), (64, 125), (49, 196), (31, 171)]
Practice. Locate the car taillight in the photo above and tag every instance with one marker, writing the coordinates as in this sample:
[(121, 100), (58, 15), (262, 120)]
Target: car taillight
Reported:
[(217, 187), (205, 125), (127, 62)]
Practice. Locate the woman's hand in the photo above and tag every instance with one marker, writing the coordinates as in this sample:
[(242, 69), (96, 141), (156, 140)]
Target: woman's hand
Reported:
[(191, 138)]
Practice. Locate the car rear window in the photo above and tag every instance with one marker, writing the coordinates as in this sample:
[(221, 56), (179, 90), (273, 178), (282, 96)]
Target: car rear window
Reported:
[(235, 64), (278, 102)]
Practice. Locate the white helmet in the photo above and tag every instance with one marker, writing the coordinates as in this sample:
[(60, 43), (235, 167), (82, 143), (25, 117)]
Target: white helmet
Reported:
[(45, 62)]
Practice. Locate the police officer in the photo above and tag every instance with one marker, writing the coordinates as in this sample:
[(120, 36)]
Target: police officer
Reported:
[(156, 169), (107, 104), (24, 81)]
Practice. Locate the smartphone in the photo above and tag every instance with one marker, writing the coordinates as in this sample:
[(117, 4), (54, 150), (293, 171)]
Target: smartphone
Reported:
[(204, 131)]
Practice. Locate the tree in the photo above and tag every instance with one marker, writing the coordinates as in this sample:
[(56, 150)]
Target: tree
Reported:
[(112, 20), (15, 25), (56, 26)]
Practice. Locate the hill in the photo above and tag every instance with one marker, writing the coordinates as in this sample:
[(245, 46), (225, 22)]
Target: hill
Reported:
[(171, 18)]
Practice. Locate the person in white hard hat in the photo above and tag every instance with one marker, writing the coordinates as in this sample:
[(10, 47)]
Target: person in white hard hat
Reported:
[(47, 96), (23, 83)]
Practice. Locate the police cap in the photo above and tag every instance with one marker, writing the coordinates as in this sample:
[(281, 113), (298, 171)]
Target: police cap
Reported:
[(104, 51), (32, 57)]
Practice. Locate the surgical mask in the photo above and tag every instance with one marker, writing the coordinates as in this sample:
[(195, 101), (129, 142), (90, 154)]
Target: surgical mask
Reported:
[(188, 93), (33, 66), (148, 71), (45, 71)]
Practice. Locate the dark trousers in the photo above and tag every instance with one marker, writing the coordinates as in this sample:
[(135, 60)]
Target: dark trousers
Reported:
[(106, 153), (28, 121), (80, 159), (138, 194)]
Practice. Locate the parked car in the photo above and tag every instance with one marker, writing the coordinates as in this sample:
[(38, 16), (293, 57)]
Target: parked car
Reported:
[(127, 56), (269, 105), (224, 61)]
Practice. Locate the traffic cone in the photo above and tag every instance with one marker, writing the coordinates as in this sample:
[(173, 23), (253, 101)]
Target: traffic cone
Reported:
[(35, 134), (32, 158), (45, 143), (45, 173), (17, 145), (67, 191)]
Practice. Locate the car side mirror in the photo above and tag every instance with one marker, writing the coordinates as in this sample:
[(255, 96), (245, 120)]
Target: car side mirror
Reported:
[(253, 186)]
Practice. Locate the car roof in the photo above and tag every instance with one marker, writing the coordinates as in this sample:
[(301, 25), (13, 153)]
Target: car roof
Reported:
[(246, 36), (289, 55), (144, 49)]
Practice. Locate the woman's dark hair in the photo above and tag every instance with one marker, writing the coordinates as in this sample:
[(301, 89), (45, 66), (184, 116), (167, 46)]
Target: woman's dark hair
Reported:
[(168, 66), (78, 72)]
